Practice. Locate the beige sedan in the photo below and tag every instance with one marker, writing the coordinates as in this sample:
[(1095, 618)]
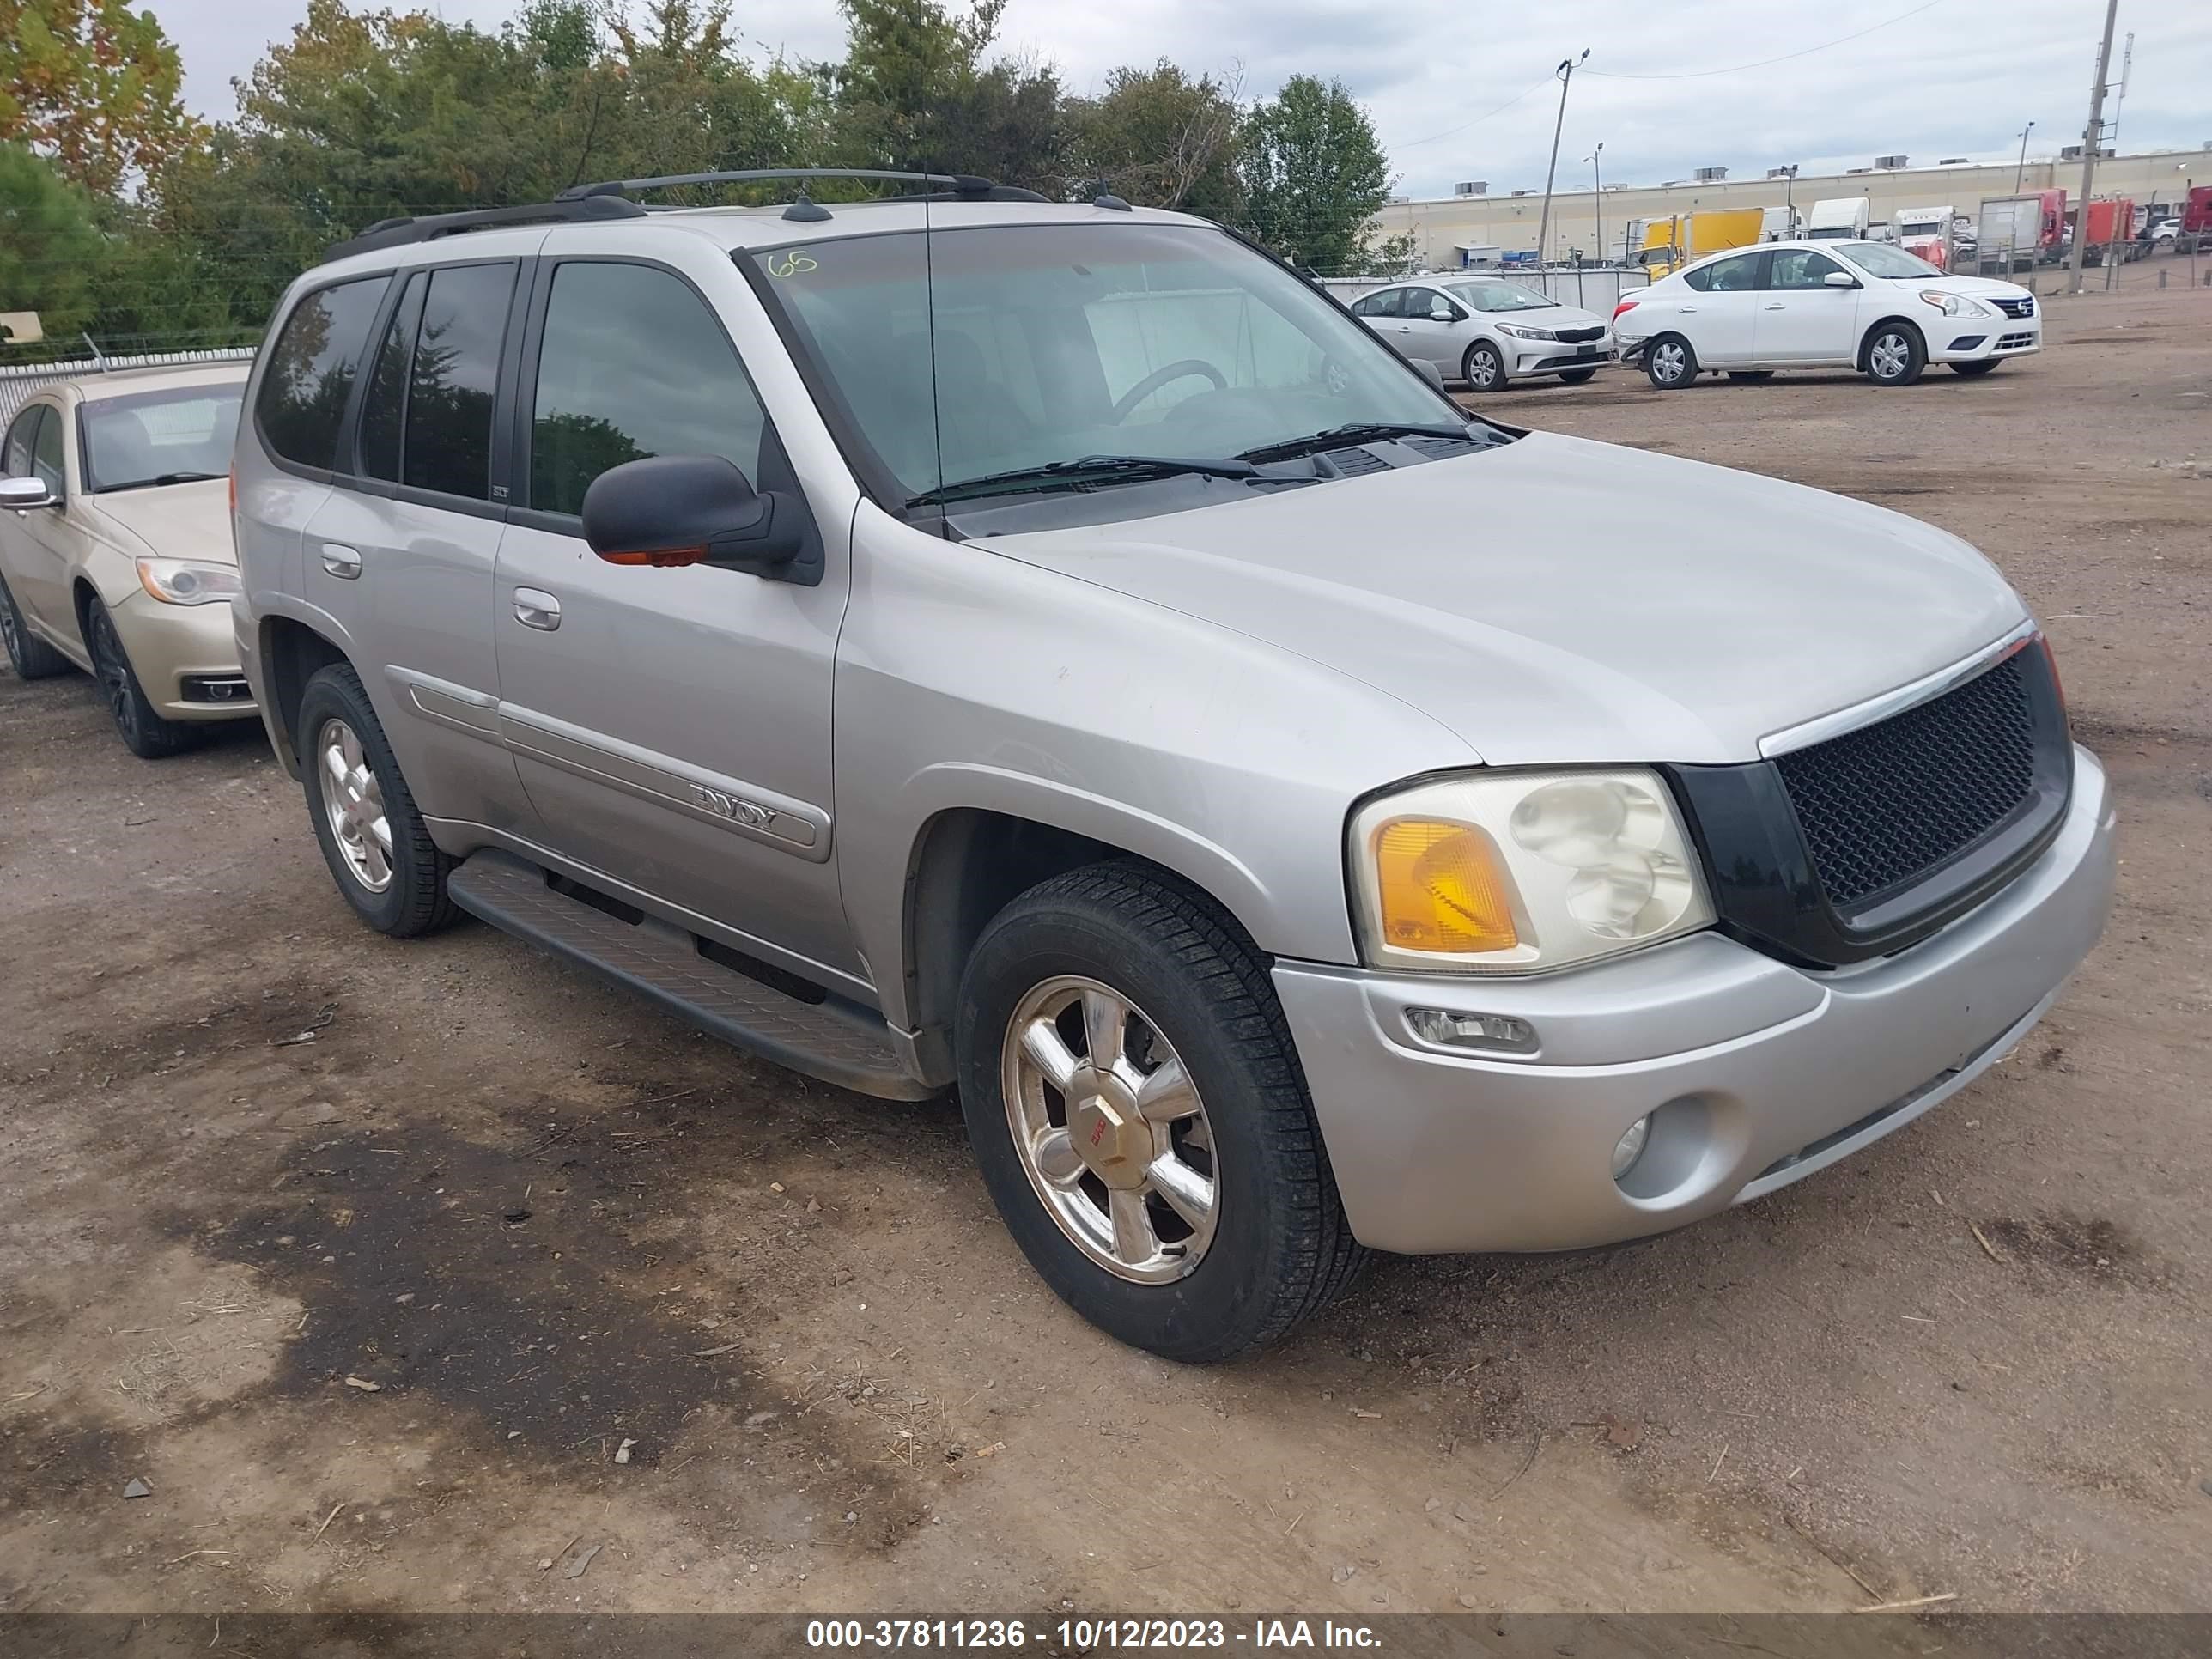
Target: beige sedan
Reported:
[(115, 547)]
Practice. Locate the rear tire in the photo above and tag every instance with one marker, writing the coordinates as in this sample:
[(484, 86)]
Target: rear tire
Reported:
[(1576, 376), (1271, 1246), (31, 657), (372, 837), (1972, 370), (1895, 354), (1750, 374), (144, 732), (1483, 368), (1670, 362)]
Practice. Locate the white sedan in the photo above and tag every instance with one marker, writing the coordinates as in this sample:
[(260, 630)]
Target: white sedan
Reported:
[(1860, 305)]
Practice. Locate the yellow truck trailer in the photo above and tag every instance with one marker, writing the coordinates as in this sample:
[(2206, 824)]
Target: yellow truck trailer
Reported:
[(1680, 238)]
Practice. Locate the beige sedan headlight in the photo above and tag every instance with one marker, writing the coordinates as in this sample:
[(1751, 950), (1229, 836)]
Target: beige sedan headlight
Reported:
[(1522, 873), (188, 581)]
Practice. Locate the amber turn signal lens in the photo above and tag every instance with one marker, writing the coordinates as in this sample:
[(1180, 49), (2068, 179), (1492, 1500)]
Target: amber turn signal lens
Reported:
[(1440, 888)]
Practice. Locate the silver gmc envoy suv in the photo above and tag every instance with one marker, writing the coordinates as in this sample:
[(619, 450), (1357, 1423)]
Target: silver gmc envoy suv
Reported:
[(1054, 651)]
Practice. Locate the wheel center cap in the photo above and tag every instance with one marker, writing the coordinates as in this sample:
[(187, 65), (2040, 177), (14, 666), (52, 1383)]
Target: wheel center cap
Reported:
[(1109, 1137)]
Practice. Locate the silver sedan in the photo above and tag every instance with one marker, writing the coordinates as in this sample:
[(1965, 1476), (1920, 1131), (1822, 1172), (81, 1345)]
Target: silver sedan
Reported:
[(1487, 331)]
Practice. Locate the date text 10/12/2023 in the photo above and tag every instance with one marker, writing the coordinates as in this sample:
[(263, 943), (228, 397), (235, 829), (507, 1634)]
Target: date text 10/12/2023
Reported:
[(1086, 1635)]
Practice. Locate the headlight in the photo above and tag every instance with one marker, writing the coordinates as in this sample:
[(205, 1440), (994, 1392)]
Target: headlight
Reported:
[(1522, 871), (187, 581), (1956, 305), (1523, 332)]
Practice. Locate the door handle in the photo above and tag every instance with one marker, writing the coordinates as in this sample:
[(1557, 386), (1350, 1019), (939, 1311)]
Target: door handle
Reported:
[(341, 561), (1777, 305), (536, 608)]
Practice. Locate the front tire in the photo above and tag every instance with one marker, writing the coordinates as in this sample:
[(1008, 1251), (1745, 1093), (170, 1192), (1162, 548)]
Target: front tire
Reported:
[(144, 732), (1140, 1116), (1972, 370), (1895, 354), (31, 657), (1670, 362), (1483, 368), (372, 837)]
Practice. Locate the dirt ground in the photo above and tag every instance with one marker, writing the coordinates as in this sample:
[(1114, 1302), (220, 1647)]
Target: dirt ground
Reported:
[(375, 1313)]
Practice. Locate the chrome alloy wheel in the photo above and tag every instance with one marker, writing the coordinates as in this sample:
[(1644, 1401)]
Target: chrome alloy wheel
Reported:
[(353, 802), (1889, 354), (1110, 1130), (1669, 360)]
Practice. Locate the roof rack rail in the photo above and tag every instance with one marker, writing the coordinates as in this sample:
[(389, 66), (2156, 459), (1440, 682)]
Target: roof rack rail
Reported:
[(399, 233), (965, 184)]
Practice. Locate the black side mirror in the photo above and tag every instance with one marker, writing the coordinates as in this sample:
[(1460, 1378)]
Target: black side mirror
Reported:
[(699, 510)]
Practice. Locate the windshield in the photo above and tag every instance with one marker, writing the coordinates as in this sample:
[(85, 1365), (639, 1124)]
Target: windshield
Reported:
[(1502, 296), (1056, 342), (155, 437), (1879, 259)]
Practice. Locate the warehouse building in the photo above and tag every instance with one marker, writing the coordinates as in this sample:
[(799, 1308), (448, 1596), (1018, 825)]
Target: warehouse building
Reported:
[(1477, 217)]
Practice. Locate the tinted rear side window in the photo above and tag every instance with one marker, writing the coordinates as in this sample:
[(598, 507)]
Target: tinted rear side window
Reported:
[(633, 364), (303, 399), (447, 445), (386, 399)]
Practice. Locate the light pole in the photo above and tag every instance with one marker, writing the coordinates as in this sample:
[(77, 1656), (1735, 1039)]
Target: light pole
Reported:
[(1597, 198), (1566, 74), (2021, 172), (1790, 201)]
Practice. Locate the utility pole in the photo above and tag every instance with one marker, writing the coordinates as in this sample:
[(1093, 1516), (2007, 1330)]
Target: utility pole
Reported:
[(2092, 140), (1790, 202), (2021, 172), (1566, 74), (1598, 199)]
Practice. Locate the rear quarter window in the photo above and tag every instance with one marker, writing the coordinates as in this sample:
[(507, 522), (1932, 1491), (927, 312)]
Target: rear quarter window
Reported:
[(302, 400)]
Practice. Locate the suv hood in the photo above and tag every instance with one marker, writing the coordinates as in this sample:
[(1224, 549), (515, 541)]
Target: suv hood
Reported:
[(1557, 600), (175, 521)]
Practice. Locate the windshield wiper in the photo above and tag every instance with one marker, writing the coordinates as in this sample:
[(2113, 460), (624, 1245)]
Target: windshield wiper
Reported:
[(1358, 432), (1087, 469), (165, 478)]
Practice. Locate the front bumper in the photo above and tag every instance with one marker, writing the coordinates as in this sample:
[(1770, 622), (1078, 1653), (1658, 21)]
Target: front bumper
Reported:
[(1972, 339), (186, 658), (1757, 1073), (1550, 357)]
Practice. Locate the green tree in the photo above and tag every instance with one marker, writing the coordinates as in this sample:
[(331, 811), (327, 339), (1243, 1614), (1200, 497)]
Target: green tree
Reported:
[(94, 87), (1160, 138), (1315, 176), (914, 92), (50, 249)]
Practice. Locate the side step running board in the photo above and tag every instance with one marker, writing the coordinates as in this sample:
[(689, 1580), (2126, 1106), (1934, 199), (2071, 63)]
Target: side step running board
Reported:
[(832, 1040)]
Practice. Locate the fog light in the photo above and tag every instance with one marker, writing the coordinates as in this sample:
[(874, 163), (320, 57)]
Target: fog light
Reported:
[(1630, 1147), (1448, 1028)]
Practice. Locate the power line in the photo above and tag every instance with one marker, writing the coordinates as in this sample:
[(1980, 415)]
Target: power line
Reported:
[(1543, 80), (1763, 63)]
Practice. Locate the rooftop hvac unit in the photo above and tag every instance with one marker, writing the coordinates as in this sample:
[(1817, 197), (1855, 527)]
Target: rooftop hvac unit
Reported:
[(1472, 187), (1955, 162), (1887, 161), (1523, 192), (1856, 171), (1711, 175), (1777, 173)]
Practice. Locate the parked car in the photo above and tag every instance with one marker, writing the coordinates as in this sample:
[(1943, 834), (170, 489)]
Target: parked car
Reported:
[(2165, 233), (1864, 305), (1487, 330), (115, 546), (1053, 650)]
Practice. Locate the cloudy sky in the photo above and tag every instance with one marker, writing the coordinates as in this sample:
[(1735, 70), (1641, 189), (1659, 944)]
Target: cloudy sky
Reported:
[(1460, 90)]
